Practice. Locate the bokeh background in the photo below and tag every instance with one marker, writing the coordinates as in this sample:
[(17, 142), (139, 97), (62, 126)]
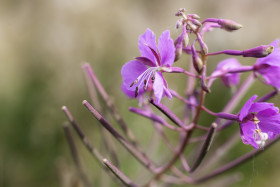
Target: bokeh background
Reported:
[(42, 47)]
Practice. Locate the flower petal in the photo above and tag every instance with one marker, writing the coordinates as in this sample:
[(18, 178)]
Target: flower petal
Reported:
[(271, 75), (145, 61), (158, 87), (130, 71), (145, 40), (245, 109), (166, 49), (131, 94), (227, 64), (259, 106), (247, 133), (269, 122)]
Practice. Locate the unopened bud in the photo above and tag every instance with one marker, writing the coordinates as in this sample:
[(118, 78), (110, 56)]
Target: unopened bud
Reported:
[(179, 23), (197, 62), (178, 51), (202, 44), (180, 12), (258, 52), (195, 22), (229, 25), (193, 16), (192, 26), (204, 86), (185, 40)]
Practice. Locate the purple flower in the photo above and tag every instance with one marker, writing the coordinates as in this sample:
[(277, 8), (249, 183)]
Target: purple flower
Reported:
[(228, 79), (145, 72), (258, 121), (269, 66)]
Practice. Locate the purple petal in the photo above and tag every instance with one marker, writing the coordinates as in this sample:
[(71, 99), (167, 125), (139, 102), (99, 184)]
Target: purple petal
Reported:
[(269, 122), (158, 87), (131, 94), (247, 133), (145, 61), (271, 75), (166, 90), (259, 106), (227, 64), (245, 109), (145, 40), (130, 71), (166, 49), (231, 79)]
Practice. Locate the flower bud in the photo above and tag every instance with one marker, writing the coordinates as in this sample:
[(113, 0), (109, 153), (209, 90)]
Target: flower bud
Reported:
[(258, 52), (197, 62), (185, 40), (229, 25), (193, 16), (179, 23), (178, 51), (202, 44), (195, 22), (180, 12), (192, 26)]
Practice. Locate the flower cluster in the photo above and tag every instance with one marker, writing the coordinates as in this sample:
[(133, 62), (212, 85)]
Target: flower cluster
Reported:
[(145, 73), (143, 79)]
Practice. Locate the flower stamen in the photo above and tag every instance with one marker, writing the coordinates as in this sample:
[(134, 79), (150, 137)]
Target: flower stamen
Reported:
[(136, 92), (260, 137)]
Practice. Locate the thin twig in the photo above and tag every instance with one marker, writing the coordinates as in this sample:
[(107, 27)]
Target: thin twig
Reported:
[(74, 154), (83, 137), (236, 162), (168, 113), (140, 156), (176, 95), (122, 177), (110, 105), (268, 96), (107, 141), (205, 147), (154, 118)]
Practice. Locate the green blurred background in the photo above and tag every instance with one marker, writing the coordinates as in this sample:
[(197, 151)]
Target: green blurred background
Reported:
[(42, 47)]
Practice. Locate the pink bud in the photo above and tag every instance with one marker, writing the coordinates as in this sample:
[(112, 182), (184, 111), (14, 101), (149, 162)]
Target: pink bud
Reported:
[(258, 52)]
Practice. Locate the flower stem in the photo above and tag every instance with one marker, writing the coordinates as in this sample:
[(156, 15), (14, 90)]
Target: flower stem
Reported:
[(268, 96), (236, 70), (122, 177), (155, 118), (168, 113), (141, 157), (235, 163), (205, 147), (82, 136), (110, 105), (74, 154), (181, 70)]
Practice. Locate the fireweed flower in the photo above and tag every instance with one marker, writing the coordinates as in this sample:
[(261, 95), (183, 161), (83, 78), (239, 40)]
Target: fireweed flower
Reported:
[(269, 66), (228, 79), (145, 72), (258, 121)]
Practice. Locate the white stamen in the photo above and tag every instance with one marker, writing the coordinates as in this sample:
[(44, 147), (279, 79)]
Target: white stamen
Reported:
[(146, 75), (260, 137)]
